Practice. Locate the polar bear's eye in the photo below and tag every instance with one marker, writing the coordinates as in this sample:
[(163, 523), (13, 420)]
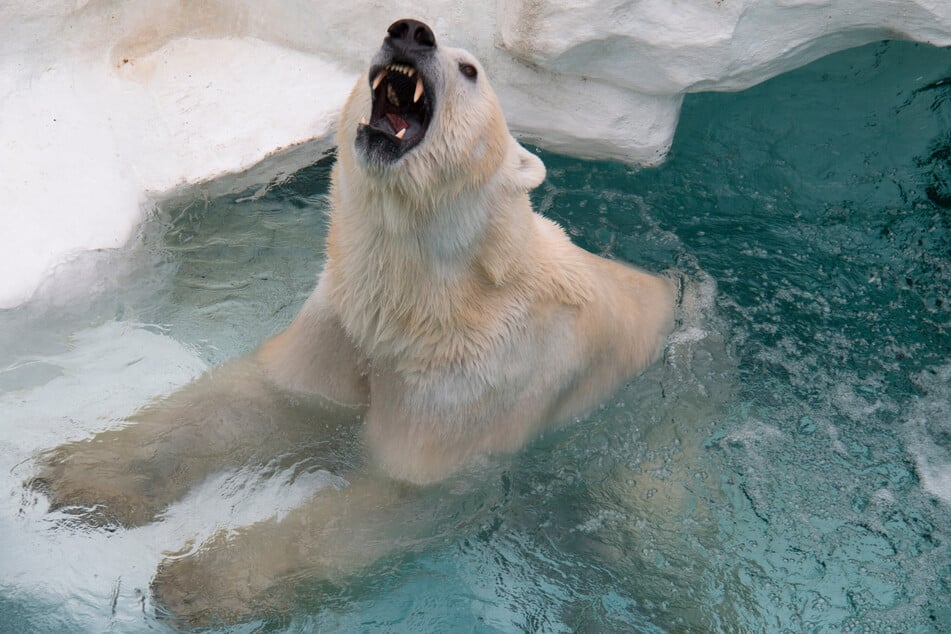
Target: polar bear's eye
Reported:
[(468, 70)]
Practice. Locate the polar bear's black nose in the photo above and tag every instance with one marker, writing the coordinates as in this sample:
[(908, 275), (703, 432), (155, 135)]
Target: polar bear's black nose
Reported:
[(411, 36)]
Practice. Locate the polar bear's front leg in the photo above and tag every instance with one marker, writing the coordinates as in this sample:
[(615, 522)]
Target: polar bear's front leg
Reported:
[(231, 416), (300, 389), (253, 571)]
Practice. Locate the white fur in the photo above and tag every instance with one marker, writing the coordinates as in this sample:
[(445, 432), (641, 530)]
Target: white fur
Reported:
[(478, 321), (463, 323)]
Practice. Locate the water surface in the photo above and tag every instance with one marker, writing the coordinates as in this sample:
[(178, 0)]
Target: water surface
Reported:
[(787, 467)]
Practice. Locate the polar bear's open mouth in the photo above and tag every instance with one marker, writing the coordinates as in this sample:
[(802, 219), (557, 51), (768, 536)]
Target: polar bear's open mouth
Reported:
[(401, 109)]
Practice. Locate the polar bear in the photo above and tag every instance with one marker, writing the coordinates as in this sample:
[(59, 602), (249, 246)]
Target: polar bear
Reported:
[(455, 319)]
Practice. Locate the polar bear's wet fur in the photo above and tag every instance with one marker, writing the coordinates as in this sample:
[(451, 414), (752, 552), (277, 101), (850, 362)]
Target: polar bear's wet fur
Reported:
[(460, 322)]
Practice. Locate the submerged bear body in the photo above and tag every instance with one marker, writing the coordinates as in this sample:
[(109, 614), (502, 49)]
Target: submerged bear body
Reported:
[(462, 322)]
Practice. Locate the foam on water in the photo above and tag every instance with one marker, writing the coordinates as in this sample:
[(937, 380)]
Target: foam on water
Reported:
[(928, 429)]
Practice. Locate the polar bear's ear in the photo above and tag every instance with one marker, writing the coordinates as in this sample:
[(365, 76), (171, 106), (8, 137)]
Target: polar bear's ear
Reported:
[(525, 170)]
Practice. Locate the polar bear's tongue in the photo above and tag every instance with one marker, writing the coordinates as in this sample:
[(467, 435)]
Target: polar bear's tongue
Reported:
[(398, 122)]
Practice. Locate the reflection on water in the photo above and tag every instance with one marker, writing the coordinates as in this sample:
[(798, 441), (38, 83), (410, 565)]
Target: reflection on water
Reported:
[(786, 468)]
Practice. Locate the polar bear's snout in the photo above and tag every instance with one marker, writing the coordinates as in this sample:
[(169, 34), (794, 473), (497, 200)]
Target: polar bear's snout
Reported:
[(402, 79), (410, 35)]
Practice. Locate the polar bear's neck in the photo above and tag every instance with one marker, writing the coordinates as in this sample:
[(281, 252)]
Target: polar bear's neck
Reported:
[(400, 276)]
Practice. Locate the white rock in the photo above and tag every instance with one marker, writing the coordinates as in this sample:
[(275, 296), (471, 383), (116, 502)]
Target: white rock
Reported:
[(107, 104), (661, 47), (93, 126)]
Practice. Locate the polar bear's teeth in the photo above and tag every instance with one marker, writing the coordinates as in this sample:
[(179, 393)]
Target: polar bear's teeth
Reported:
[(401, 134), (379, 78), (409, 71), (419, 89), (363, 121)]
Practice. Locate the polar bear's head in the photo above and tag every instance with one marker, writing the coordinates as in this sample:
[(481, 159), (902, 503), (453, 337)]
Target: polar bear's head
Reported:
[(425, 120)]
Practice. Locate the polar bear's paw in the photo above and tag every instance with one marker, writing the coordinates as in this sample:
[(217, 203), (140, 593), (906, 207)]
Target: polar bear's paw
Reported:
[(228, 581), (85, 481)]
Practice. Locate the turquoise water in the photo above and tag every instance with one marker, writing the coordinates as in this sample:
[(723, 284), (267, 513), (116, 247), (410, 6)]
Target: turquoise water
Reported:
[(787, 467)]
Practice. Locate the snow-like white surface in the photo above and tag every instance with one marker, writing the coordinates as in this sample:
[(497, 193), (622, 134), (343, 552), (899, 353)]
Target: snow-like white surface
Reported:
[(105, 105), (86, 138)]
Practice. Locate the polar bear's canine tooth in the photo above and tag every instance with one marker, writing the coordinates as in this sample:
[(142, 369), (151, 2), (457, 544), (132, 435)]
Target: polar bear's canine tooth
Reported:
[(419, 89), (401, 134), (379, 78)]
